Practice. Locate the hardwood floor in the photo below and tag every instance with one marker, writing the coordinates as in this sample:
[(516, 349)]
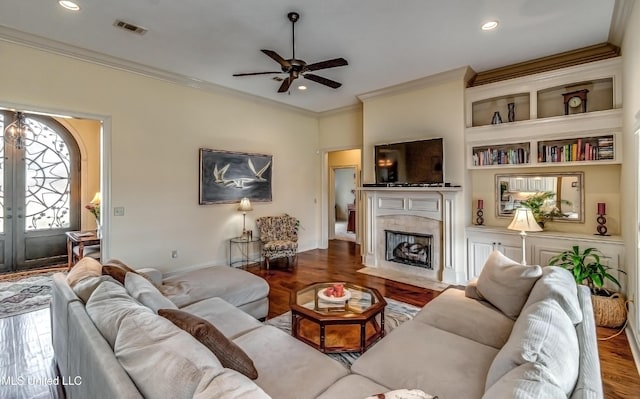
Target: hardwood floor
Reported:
[(341, 262), (25, 340)]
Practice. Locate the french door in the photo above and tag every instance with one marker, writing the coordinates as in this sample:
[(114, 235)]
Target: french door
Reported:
[(39, 194)]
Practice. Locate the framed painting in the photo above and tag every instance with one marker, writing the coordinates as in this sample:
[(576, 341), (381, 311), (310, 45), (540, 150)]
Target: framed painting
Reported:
[(227, 177)]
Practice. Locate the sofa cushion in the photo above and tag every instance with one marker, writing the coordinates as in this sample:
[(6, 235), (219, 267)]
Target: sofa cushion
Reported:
[(558, 283), (85, 287), (166, 362), (402, 394), (528, 381), (108, 306), (146, 293), (235, 286), (288, 368), (471, 290), (352, 386), (424, 357), (227, 318), (86, 267), (506, 283), (229, 354), (231, 385), (479, 321), (543, 334)]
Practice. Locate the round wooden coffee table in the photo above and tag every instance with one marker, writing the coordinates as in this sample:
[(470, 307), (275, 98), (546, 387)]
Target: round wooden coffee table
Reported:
[(331, 326)]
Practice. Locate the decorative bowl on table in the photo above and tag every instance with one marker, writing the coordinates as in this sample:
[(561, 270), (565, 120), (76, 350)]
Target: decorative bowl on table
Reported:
[(346, 295)]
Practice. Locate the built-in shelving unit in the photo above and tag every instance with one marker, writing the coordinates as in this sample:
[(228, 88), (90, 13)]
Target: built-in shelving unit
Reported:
[(538, 127)]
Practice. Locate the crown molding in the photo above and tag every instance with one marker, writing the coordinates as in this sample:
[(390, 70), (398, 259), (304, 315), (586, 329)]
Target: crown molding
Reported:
[(565, 59), (432, 80), (55, 47), (619, 19), (345, 109)]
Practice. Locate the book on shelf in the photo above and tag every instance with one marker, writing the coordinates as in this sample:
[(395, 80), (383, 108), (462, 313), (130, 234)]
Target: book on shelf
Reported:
[(500, 156), (595, 149)]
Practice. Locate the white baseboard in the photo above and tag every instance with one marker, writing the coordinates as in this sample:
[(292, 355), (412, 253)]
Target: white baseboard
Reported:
[(635, 348)]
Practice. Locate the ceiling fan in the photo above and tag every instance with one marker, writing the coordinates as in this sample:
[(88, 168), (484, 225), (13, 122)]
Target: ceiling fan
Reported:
[(295, 67)]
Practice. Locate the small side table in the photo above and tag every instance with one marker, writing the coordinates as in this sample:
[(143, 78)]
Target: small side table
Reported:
[(249, 250), (79, 242)]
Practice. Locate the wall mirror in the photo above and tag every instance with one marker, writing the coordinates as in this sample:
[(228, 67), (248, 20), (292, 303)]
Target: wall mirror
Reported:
[(567, 189)]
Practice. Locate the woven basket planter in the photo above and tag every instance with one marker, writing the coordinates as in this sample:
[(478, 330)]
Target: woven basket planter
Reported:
[(609, 311)]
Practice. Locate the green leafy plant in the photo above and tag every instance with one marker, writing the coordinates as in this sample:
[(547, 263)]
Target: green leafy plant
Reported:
[(542, 208), (586, 267)]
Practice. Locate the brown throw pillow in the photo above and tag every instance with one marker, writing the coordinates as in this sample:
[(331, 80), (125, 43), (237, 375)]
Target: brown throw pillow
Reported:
[(118, 270), (86, 267), (230, 355)]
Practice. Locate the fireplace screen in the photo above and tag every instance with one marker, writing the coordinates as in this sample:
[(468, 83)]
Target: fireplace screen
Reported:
[(409, 248)]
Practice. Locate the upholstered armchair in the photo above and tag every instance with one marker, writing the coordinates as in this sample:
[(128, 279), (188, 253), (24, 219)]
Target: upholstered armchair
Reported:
[(279, 236)]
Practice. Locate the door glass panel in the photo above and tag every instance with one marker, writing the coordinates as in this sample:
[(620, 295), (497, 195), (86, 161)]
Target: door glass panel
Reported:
[(47, 167), (1, 173)]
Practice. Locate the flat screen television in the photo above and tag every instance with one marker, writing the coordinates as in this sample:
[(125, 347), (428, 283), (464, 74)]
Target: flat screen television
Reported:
[(410, 162)]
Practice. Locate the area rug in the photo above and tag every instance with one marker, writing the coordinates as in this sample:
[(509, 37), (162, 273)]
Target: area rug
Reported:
[(395, 314), (405, 278), (25, 294)]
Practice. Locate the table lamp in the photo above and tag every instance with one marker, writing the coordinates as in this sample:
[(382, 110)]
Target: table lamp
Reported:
[(524, 221), (244, 207)]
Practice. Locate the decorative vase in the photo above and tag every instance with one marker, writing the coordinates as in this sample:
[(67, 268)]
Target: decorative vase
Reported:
[(98, 229), (496, 119), (511, 107)]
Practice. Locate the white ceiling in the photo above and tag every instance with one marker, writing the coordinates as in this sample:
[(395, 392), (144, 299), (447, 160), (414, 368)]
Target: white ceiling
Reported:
[(386, 42)]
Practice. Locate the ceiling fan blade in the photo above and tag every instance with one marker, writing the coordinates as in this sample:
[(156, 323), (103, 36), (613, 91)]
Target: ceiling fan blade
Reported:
[(255, 73), (284, 87), (324, 81), (336, 62), (284, 63)]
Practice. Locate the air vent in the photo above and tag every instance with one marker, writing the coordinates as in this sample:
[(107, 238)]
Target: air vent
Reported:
[(130, 27)]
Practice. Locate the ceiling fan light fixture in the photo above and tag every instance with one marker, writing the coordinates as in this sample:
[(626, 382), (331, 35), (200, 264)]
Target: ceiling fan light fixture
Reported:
[(490, 25), (69, 5)]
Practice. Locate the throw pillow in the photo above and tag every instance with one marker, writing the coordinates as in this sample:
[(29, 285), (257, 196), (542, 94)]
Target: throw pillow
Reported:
[(558, 283), (544, 335), (471, 290), (506, 284), (527, 381), (146, 293), (403, 394), (118, 270), (86, 267), (230, 355), (87, 286)]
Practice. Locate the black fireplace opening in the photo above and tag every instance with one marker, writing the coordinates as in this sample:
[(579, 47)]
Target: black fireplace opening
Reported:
[(409, 248)]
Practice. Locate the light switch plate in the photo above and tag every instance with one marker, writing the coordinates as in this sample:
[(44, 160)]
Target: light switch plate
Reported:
[(118, 211)]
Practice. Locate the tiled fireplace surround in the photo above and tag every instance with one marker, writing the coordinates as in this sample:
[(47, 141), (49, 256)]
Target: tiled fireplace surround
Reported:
[(412, 210)]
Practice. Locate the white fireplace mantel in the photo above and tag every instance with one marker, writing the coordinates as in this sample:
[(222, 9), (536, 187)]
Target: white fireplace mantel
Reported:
[(419, 208)]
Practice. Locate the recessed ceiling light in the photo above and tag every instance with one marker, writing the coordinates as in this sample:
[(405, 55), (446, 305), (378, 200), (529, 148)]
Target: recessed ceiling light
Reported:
[(69, 5), (490, 25), (302, 87)]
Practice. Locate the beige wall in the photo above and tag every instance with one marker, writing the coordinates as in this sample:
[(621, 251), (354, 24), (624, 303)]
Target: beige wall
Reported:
[(602, 184), (156, 131), (87, 135), (432, 109), (341, 129), (631, 101)]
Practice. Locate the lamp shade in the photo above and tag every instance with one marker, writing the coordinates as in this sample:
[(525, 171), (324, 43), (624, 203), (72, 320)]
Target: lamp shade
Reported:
[(523, 220), (97, 199), (245, 205)]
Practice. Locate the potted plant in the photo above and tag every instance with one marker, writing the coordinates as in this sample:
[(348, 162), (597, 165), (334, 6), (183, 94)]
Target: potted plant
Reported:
[(587, 269), (542, 207)]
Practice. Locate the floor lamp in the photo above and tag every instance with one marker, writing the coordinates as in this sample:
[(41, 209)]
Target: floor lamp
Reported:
[(524, 221)]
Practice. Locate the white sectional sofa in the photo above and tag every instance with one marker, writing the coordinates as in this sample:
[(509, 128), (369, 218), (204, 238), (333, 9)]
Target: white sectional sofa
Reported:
[(463, 344)]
